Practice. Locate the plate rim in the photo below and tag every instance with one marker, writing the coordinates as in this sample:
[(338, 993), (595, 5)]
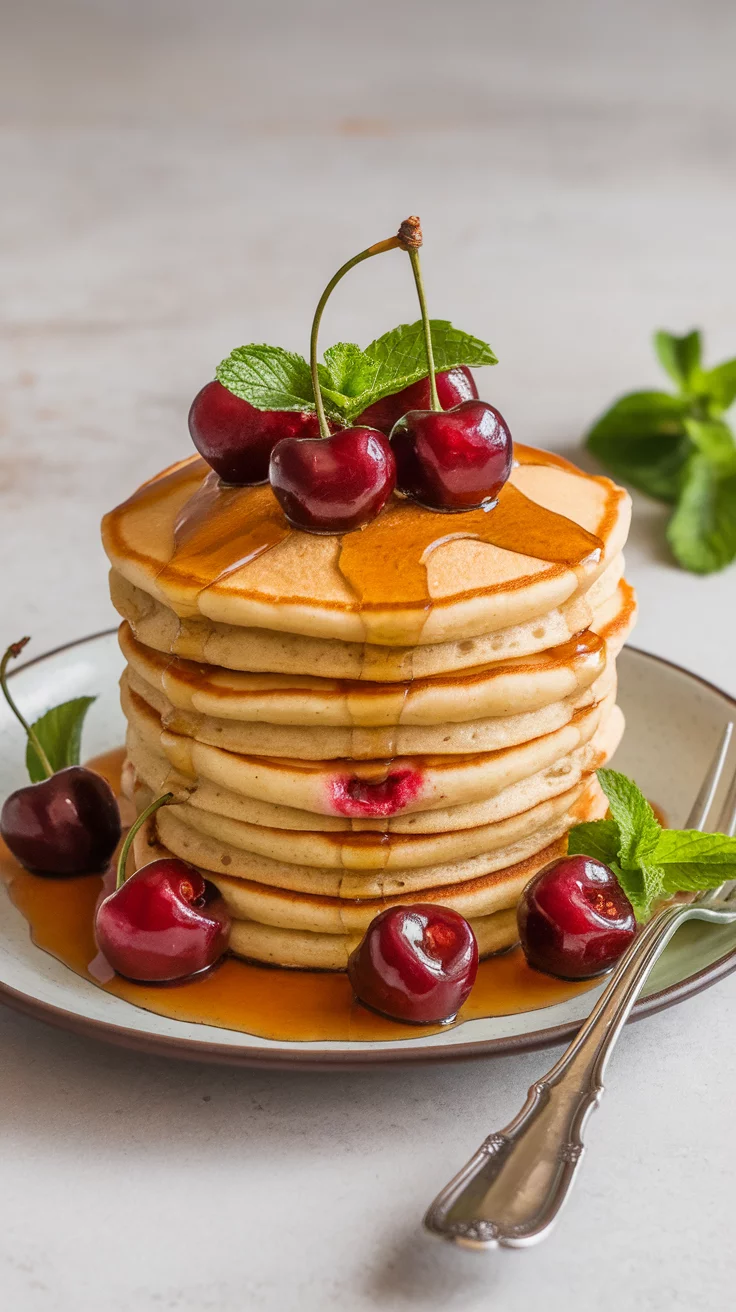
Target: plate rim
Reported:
[(309, 1060)]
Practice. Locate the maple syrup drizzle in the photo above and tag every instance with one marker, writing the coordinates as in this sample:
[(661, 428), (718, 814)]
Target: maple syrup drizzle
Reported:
[(283, 1005)]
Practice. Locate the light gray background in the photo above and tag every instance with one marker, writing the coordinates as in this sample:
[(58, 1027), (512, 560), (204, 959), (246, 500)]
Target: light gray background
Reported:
[(182, 177)]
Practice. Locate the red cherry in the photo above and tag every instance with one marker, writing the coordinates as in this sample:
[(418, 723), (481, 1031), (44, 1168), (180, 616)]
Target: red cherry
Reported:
[(415, 963), (452, 459), (236, 439), (574, 918), (68, 824), (333, 484), (164, 923), (453, 386)]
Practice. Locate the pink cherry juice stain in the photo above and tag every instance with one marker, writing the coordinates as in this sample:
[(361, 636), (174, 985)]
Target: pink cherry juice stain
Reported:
[(352, 796)]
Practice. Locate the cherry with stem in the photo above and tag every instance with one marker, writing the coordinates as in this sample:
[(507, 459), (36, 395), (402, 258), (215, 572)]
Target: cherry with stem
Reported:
[(450, 460), (69, 822), (165, 922)]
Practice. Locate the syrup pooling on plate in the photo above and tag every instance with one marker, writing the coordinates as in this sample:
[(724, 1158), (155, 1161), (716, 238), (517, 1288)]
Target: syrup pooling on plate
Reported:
[(284, 1005)]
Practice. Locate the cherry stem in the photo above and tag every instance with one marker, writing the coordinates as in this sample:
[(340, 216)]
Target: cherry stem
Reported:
[(390, 244), (14, 650), (141, 820), (417, 271)]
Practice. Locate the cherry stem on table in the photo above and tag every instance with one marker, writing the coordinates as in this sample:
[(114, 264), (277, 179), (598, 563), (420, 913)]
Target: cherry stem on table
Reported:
[(14, 650), (140, 820)]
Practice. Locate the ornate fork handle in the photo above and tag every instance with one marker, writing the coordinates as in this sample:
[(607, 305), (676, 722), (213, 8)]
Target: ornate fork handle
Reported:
[(511, 1191)]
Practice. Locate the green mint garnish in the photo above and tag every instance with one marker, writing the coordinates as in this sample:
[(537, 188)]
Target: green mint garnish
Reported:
[(351, 378), (679, 449), (650, 862), (59, 732)]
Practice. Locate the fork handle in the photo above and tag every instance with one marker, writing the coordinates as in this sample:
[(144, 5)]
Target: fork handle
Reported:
[(510, 1192)]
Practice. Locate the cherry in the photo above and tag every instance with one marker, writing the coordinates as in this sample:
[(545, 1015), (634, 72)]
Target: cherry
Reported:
[(575, 920), (165, 922), (69, 823), (416, 963), (454, 459), (453, 386), (333, 484), (236, 439)]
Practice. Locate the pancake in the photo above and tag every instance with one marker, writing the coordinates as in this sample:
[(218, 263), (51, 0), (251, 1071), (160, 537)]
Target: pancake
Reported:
[(511, 687), (375, 851), (294, 945), (346, 787), (158, 775), (358, 744), (301, 949), (410, 577), (254, 650), (264, 879)]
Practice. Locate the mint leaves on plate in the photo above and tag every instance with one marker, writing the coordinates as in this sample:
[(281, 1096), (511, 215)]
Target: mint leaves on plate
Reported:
[(59, 732), (351, 379), (650, 862), (678, 448)]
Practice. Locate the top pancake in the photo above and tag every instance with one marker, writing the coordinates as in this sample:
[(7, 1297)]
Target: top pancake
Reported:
[(411, 577)]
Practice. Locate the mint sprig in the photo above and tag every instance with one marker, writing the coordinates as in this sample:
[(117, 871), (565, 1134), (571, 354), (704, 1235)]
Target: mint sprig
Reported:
[(650, 862), (351, 378), (679, 449), (59, 732)]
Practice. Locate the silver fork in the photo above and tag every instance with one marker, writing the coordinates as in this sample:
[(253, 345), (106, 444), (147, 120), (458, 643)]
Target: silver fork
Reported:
[(511, 1191)]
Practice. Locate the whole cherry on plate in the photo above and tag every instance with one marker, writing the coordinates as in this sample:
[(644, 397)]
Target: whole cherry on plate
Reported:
[(575, 920), (236, 439), (415, 963), (335, 483), (453, 386), (164, 923), (67, 823)]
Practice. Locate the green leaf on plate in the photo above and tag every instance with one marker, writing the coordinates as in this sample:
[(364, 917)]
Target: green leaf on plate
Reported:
[(60, 733), (642, 440), (596, 838)]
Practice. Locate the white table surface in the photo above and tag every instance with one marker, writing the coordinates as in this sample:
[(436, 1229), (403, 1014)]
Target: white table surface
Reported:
[(179, 178)]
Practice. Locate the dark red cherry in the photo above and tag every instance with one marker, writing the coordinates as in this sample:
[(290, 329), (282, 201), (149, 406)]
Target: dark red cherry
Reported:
[(165, 922), (574, 918), (68, 824), (453, 386), (416, 963), (452, 459), (333, 484), (236, 439)]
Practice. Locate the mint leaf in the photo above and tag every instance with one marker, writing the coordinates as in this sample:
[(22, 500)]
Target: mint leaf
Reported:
[(702, 531), (399, 359), (348, 370), (713, 438), (693, 861), (680, 356), (719, 384), (642, 440), (596, 838), (638, 826), (60, 734), (268, 377)]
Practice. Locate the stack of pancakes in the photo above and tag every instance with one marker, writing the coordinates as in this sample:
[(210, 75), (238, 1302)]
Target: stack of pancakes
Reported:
[(410, 713)]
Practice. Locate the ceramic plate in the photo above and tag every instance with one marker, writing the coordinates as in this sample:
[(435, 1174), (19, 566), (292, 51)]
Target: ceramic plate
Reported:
[(674, 720)]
